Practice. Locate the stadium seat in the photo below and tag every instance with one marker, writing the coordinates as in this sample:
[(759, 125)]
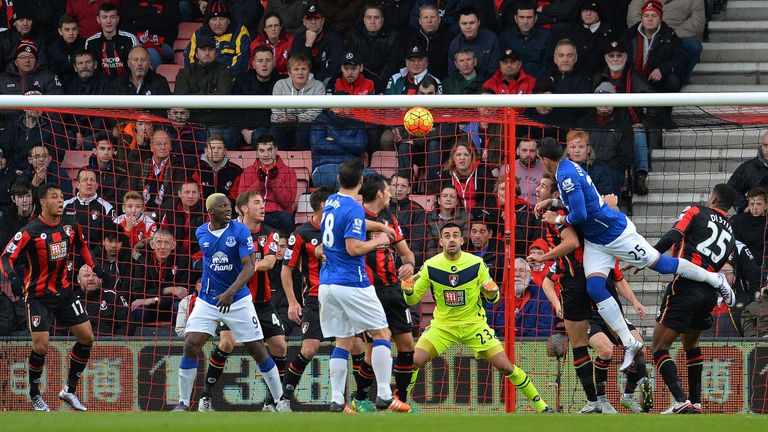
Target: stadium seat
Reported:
[(384, 162), (242, 158), (178, 57), (74, 160), (303, 210), (301, 162), (186, 29), (169, 71), (426, 201)]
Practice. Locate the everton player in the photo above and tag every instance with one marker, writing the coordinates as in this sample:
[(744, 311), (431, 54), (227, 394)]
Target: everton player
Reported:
[(228, 264), (48, 244), (609, 234), (703, 235)]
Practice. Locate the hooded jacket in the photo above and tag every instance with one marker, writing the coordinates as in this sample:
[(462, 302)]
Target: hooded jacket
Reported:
[(281, 49), (285, 87), (522, 85), (277, 185), (749, 174)]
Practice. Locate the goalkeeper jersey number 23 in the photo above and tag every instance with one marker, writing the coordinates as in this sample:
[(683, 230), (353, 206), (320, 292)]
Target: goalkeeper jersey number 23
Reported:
[(456, 287)]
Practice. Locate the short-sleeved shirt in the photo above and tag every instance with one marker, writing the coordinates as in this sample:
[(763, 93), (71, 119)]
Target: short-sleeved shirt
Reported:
[(301, 250), (708, 237), (343, 218), (266, 240), (223, 252), (380, 262)]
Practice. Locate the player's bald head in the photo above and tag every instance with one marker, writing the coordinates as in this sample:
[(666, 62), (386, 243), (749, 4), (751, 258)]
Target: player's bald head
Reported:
[(212, 198)]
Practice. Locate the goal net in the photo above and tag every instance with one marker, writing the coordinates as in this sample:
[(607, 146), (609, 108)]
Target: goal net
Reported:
[(152, 169)]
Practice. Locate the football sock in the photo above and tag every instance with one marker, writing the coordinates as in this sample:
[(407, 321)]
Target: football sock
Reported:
[(403, 372), (338, 367), (611, 313), (601, 375), (293, 376), (280, 363), (381, 361), (35, 368), (582, 362), (693, 272), (364, 376), (272, 377), (695, 362), (78, 360), (668, 370), (187, 373), (635, 373), (520, 379), (215, 367)]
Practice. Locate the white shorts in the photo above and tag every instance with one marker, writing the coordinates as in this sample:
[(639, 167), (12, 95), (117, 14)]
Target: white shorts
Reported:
[(241, 320), (347, 311), (629, 247)]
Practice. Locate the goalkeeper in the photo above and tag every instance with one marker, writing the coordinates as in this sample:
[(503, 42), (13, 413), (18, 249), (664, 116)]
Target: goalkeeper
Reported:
[(457, 279)]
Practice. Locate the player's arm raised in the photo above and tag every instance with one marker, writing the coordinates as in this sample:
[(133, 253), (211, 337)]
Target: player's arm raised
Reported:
[(414, 289), (578, 207)]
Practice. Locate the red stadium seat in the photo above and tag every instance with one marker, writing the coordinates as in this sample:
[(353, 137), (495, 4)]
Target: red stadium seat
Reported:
[(74, 160), (169, 71), (186, 29), (178, 57), (384, 162), (242, 158), (303, 209), (426, 201), (301, 162)]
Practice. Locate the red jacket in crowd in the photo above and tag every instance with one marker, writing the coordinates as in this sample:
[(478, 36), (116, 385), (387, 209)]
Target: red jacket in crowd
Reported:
[(278, 185), (362, 86), (522, 85), (282, 50)]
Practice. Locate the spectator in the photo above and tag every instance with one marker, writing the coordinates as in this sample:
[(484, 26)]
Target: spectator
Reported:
[(450, 12), (655, 51), (188, 139), (88, 80), (206, 76), (465, 78), (275, 181), (299, 82), (470, 178), (216, 172), (62, 52), (727, 321), (42, 170), (528, 168), (527, 227), (321, 45), (111, 46), (249, 12), (134, 140), (745, 279), (557, 14), (291, 14), (7, 179), (751, 173), (483, 42), (260, 81), (591, 35), (136, 224), (87, 14), (155, 24), (161, 278), (687, 18), (113, 255), (183, 215), (351, 81), (433, 39), (539, 270), (754, 320), (23, 210), (275, 37), (87, 208), (483, 243), (232, 39), (579, 151), (567, 80), (334, 140), (29, 129), (112, 175), (141, 80), (447, 209), (533, 312), (534, 43), (107, 310), (409, 214), (378, 44), (751, 221), (407, 80), (510, 78), (161, 173), (24, 74), (23, 29)]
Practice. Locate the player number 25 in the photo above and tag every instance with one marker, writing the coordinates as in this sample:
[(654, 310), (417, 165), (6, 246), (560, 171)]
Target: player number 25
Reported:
[(722, 237), (328, 230)]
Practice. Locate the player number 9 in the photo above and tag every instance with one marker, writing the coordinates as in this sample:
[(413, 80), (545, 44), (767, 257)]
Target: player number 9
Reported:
[(328, 230)]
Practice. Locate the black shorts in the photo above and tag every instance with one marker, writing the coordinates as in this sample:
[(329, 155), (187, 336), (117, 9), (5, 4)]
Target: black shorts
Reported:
[(268, 320), (397, 312), (687, 305), (598, 325), (66, 308), (310, 319), (577, 305)]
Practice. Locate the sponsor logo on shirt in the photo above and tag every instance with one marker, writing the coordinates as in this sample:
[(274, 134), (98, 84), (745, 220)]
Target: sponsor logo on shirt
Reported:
[(57, 250), (454, 297), (220, 262)]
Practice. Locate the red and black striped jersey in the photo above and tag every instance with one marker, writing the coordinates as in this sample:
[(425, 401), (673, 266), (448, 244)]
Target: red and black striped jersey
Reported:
[(48, 250), (572, 263), (265, 241), (707, 237), (380, 262), (301, 250)]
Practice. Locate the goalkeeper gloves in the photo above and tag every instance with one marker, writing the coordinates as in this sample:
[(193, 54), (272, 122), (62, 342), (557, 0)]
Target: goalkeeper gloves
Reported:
[(17, 287), (408, 284), (490, 290)]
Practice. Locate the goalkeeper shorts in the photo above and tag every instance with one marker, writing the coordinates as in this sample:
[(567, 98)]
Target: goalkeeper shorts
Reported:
[(478, 336)]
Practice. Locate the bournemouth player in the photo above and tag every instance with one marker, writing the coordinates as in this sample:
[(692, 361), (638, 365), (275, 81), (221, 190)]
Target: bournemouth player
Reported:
[(457, 280), (609, 234), (704, 236), (48, 244), (380, 266), (228, 264), (348, 301)]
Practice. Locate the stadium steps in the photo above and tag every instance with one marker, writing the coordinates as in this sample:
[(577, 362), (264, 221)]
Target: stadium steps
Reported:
[(738, 31), (667, 203), (722, 88), (695, 182), (712, 138), (746, 10), (731, 73), (731, 52), (700, 160)]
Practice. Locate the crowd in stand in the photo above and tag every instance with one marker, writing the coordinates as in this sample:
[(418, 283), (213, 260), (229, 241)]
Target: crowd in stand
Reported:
[(141, 195)]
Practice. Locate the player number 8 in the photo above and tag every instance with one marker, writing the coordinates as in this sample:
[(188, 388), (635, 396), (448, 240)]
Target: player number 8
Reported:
[(328, 230)]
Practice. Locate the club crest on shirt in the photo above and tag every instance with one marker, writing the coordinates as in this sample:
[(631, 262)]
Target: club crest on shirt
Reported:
[(35, 320), (230, 241), (68, 230), (453, 279), (304, 327), (262, 241)]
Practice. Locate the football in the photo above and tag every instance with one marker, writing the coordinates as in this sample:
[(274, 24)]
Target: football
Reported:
[(418, 121)]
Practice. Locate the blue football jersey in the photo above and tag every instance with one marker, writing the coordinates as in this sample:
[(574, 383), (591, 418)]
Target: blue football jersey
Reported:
[(223, 252), (343, 218), (599, 223)]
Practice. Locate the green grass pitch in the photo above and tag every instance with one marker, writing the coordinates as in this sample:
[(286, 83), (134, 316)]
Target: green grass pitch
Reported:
[(387, 422)]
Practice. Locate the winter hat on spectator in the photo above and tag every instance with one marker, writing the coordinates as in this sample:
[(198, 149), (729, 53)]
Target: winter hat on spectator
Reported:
[(33, 90), (217, 8), (510, 54), (615, 46), (416, 51), (26, 45), (653, 5), (22, 12), (312, 10), (592, 6), (605, 87)]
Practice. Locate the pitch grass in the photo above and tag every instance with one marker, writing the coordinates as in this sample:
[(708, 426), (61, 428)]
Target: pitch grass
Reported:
[(387, 422)]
